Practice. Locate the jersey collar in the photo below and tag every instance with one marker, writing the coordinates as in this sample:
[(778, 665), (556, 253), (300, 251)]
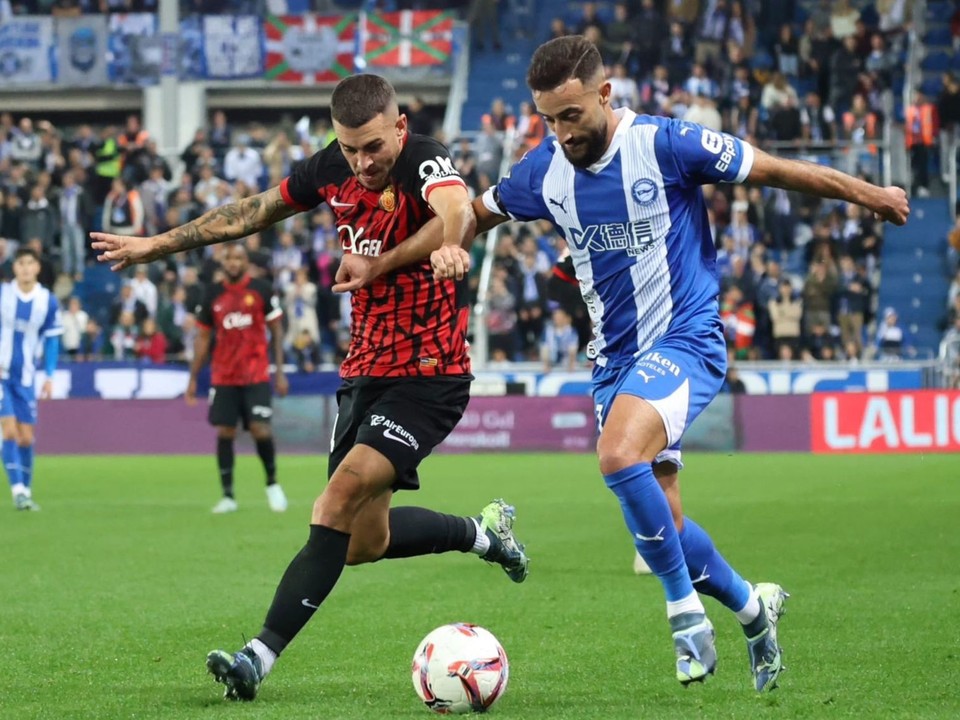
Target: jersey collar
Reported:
[(26, 296), (626, 117), (239, 285)]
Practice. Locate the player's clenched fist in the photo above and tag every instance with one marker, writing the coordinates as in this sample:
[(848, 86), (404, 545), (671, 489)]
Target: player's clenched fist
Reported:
[(450, 261)]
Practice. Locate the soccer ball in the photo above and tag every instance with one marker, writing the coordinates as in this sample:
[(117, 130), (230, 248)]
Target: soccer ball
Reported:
[(460, 668)]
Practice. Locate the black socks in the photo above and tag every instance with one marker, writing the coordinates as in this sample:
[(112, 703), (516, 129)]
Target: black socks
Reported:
[(268, 456), (418, 531), (225, 463), (308, 580)]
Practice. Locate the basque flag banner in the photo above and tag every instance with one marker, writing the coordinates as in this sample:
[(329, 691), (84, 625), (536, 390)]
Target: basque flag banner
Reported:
[(310, 49), (407, 38)]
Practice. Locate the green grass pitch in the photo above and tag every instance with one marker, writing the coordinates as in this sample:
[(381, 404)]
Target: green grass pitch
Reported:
[(113, 594)]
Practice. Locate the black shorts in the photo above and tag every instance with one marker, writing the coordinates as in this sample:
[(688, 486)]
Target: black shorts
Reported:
[(247, 403), (402, 418)]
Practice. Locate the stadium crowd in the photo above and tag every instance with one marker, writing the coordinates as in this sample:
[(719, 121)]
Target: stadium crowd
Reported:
[(799, 277)]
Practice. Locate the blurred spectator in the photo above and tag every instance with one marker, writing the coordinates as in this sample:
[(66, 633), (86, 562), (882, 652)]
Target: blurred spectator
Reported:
[(39, 219), (6, 260), (484, 19), (818, 291), (820, 344), (532, 304), (844, 72), (127, 302), (465, 161), (920, 126), (623, 89), (881, 62), (818, 120), (76, 212), (777, 93), (890, 341), (210, 189), (150, 344), (489, 149), (714, 30), (144, 290), (953, 292), (560, 343), (948, 105), (683, 12), (123, 210), (894, 14), (132, 142), (853, 305), (950, 352), (278, 158), (732, 383), (739, 322), (699, 83), (843, 19), (171, 316), (220, 136), (787, 52), (620, 37), (122, 342), (558, 29), (243, 163), (305, 351), (530, 129), (74, 324), (287, 259), (650, 30), (589, 19), (499, 117), (675, 54), (91, 342), (501, 317), (419, 120), (25, 147), (153, 195), (300, 303)]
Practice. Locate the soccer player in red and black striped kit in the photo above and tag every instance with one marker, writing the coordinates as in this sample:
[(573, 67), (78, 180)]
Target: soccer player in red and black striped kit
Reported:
[(406, 379), (235, 315)]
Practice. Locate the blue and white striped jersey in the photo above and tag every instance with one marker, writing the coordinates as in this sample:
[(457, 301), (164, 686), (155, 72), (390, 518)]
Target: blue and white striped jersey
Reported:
[(636, 225), (26, 319)]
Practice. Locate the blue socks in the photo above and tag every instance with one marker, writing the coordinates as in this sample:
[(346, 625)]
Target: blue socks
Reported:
[(710, 573), (11, 462), (648, 517), (26, 463)]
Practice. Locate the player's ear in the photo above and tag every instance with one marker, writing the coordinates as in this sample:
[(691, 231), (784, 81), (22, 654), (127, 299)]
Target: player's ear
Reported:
[(401, 125), (605, 89)]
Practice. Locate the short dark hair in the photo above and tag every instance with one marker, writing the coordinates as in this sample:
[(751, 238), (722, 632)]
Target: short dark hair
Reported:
[(561, 59), (24, 251), (360, 98)]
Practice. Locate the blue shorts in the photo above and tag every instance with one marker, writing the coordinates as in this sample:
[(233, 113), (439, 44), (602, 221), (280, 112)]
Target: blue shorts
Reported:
[(18, 401), (678, 376)]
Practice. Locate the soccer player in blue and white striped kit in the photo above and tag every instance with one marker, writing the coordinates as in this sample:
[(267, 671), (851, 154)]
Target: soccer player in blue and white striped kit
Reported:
[(624, 191), (29, 326)]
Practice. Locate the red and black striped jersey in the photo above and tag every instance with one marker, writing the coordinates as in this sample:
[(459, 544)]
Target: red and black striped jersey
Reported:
[(406, 322), (237, 314)]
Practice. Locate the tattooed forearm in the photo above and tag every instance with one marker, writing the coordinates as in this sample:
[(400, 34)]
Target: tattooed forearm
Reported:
[(229, 222)]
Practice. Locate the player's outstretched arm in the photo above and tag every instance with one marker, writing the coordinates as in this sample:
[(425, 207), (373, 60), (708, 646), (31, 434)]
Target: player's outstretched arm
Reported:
[(281, 383), (229, 222), (889, 203)]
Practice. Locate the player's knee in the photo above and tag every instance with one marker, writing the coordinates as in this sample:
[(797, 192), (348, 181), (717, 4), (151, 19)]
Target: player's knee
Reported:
[(25, 438), (615, 453), (339, 503)]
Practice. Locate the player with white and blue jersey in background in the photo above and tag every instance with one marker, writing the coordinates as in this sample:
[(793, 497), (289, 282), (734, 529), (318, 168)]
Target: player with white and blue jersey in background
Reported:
[(30, 327), (624, 191)]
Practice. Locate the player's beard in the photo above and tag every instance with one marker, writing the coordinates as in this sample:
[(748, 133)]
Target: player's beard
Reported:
[(234, 279), (590, 147)]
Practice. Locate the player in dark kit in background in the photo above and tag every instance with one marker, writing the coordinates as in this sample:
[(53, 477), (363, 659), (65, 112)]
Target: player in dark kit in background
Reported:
[(235, 314), (407, 377)]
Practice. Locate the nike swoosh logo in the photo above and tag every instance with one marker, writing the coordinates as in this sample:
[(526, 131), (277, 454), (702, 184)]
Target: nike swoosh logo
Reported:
[(655, 538), (306, 603), (390, 436), (335, 203)]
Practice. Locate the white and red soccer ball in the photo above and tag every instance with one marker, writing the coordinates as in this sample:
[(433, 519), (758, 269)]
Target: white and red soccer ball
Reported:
[(460, 668)]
